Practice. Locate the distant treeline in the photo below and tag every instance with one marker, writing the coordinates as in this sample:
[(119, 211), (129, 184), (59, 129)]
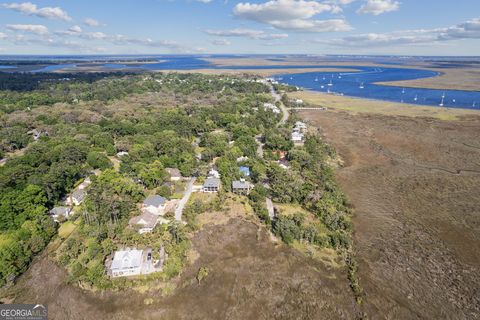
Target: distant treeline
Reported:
[(24, 82)]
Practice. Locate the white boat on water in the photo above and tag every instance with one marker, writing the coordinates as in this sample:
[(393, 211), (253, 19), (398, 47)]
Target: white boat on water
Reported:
[(362, 86), (416, 97), (316, 79), (330, 83), (443, 98), (403, 91)]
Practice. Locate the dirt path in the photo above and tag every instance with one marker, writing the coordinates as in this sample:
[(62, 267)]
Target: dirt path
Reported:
[(250, 277), (415, 186)]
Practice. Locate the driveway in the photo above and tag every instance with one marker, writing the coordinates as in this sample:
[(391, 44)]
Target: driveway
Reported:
[(184, 200)]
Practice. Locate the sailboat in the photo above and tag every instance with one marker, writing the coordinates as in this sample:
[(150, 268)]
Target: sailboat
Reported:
[(416, 97), (403, 90), (324, 78), (316, 79), (322, 86), (443, 98), (474, 103), (361, 86)]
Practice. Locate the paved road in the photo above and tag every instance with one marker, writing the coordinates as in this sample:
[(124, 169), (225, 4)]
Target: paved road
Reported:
[(278, 98), (184, 200)]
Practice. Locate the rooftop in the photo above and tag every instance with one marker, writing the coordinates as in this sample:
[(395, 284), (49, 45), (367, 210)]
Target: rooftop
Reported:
[(146, 219), (155, 201), (212, 183), (241, 184), (173, 172), (127, 259)]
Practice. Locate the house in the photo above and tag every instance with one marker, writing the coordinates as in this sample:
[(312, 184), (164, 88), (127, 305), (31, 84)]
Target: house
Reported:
[(300, 126), (77, 197), (211, 185), (174, 173), (242, 159), (155, 204), (297, 137), (245, 171), (122, 153), (241, 186), (58, 212), (298, 101), (126, 262), (213, 173), (271, 107), (145, 222)]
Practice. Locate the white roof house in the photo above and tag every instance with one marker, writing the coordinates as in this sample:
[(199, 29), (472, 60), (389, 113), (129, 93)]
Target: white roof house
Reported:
[(127, 262), (155, 204), (213, 173), (297, 137)]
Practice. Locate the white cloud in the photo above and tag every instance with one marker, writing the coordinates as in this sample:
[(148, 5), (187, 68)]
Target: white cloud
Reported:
[(93, 23), (33, 28), (293, 15), (377, 7), (332, 25), (247, 33), (281, 10), (75, 29), (221, 42), (3, 35), (204, 1), (466, 30), (31, 9)]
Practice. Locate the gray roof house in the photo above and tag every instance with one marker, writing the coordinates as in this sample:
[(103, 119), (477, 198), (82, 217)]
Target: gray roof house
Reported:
[(241, 186), (58, 212), (174, 173), (146, 222), (78, 196), (154, 204), (211, 185)]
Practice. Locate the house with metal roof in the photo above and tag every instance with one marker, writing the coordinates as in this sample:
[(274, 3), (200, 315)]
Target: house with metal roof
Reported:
[(211, 185), (77, 197), (126, 262), (155, 204), (241, 186), (58, 212)]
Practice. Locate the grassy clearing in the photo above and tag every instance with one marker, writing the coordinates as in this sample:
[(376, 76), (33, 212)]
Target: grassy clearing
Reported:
[(356, 105), (66, 229)]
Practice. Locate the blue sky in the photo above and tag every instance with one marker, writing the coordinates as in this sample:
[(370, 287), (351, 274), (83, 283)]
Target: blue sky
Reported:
[(403, 27)]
